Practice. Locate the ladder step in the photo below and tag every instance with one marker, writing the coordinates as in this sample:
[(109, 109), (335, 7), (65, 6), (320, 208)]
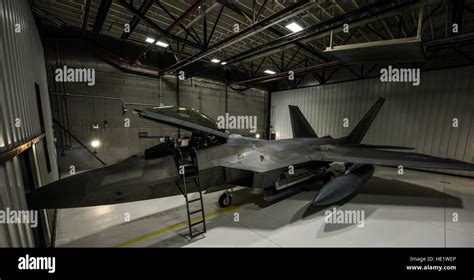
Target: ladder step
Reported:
[(188, 180), (197, 233), (197, 223), (188, 161), (196, 211)]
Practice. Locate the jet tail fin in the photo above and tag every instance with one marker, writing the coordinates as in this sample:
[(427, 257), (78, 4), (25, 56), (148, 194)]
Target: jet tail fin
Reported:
[(300, 126), (358, 133)]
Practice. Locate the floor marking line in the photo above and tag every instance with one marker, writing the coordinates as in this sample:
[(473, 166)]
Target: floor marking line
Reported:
[(180, 224)]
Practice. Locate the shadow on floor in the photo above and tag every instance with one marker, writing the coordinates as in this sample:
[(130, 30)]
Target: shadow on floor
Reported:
[(376, 191)]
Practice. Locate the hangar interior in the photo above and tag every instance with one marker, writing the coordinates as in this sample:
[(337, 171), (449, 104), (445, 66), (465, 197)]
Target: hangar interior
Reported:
[(236, 58)]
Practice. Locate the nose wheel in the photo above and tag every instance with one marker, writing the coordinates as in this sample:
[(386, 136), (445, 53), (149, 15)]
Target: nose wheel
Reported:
[(225, 200)]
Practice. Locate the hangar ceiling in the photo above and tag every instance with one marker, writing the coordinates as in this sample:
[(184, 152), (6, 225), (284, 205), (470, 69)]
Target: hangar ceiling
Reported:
[(194, 35)]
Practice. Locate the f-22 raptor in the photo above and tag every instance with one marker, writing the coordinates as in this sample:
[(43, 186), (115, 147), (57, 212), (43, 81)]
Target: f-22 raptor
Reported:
[(221, 161)]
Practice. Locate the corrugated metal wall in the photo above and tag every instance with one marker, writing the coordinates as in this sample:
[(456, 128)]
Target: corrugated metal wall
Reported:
[(21, 66), (419, 117)]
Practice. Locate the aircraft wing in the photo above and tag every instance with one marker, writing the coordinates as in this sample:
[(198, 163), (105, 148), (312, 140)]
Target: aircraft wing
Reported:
[(390, 158), (271, 160)]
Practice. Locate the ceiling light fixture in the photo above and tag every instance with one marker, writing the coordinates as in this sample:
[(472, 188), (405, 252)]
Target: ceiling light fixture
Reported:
[(268, 71), (162, 44), (294, 27)]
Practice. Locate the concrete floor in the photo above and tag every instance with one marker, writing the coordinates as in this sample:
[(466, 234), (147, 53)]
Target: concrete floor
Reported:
[(414, 209)]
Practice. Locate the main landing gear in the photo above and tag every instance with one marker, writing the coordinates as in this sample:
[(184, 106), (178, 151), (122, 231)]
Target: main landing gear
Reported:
[(225, 200)]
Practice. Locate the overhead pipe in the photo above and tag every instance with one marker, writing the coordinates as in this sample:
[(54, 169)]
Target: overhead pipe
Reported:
[(308, 49), (283, 75), (198, 18), (322, 29), (102, 12), (126, 64), (264, 24), (168, 30), (153, 25), (119, 99), (390, 12), (115, 59), (444, 43), (144, 7), (318, 67), (86, 15)]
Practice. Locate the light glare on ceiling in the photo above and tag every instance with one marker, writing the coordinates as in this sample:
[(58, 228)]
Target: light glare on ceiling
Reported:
[(162, 44), (294, 27)]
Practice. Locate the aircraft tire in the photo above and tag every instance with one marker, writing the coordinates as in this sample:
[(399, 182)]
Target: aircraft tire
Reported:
[(225, 200)]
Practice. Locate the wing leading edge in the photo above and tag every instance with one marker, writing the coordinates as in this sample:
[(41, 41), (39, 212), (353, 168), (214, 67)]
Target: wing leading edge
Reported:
[(391, 158)]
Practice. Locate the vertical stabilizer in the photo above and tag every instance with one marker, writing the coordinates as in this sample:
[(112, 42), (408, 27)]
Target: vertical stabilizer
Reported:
[(358, 133), (300, 126)]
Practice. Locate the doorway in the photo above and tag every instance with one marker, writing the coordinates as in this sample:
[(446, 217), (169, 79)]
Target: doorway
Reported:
[(30, 183)]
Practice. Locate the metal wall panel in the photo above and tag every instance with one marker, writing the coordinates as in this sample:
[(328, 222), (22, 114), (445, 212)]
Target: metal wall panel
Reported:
[(414, 116), (21, 66)]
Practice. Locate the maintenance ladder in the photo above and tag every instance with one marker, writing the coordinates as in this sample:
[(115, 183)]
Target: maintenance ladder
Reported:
[(188, 182)]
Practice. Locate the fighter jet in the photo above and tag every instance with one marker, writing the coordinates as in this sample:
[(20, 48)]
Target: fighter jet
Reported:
[(221, 161)]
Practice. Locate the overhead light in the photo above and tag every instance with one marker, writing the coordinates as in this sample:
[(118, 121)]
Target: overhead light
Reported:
[(149, 40), (268, 71), (223, 63), (293, 26), (162, 44), (95, 143), (215, 60)]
